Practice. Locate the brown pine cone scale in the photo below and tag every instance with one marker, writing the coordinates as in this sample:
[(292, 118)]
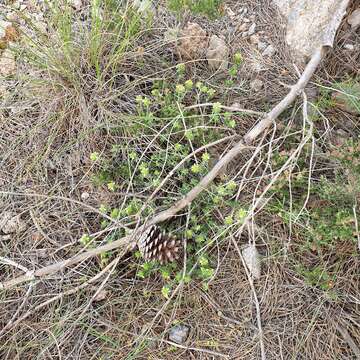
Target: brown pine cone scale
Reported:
[(155, 244)]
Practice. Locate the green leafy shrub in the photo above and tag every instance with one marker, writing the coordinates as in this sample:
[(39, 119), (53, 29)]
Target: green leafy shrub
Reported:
[(168, 127)]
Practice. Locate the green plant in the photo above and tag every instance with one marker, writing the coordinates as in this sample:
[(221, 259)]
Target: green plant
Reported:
[(317, 277), (145, 169)]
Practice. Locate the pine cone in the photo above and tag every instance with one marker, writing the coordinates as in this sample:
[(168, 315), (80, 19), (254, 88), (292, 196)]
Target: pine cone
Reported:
[(156, 245)]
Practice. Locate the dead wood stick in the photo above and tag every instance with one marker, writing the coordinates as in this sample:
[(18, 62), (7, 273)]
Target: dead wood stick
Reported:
[(249, 138)]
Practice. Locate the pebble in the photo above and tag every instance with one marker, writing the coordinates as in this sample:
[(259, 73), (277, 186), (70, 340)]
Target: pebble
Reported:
[(269, 51), (262, 45), (252, 29), (179, 334), (217, 53), (85, 195), (349, 47), (256, 85), (354, 19)]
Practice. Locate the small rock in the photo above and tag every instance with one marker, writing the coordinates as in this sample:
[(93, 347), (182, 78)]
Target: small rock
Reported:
[(4, 25), (41, 26), (171, 35), (256, 85), (354, 19), (217, 53), (349, 47), (101, 295), (144, 6), (252, 261), (262, 45), (252, 29), (76, 4), (85, 195), (193, 42), (7, 63), (269, 51), (179, 334), (11, 223)]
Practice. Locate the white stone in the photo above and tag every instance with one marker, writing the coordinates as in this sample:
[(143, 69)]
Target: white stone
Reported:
[(354, 19), (179, 333), (256, 85), (76, 4), (252, 29), (349, 47), (262, 45), (217, 53), (269, 51), (85, 195)]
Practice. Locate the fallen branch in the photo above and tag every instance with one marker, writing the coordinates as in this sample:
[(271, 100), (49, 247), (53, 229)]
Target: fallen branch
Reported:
[(248, 139), (31, 311)]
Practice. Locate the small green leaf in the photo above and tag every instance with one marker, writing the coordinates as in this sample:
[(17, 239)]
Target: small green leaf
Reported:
[(188, 84), (94, 156), (203, 261), (196, 168), (165, 291), (205, 157), (111, 186)]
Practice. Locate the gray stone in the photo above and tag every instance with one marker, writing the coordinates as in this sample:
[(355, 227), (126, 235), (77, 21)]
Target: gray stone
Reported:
[(179, 334), (217, 53), (311, 24), (252, 29), (256, 85), (354, 19), (269, 51), (262, 45)]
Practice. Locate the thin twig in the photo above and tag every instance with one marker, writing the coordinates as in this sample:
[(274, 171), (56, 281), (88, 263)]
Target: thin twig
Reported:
[(13, 319), (348, 339), (14, 264), (233, 108), (58, 297)]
